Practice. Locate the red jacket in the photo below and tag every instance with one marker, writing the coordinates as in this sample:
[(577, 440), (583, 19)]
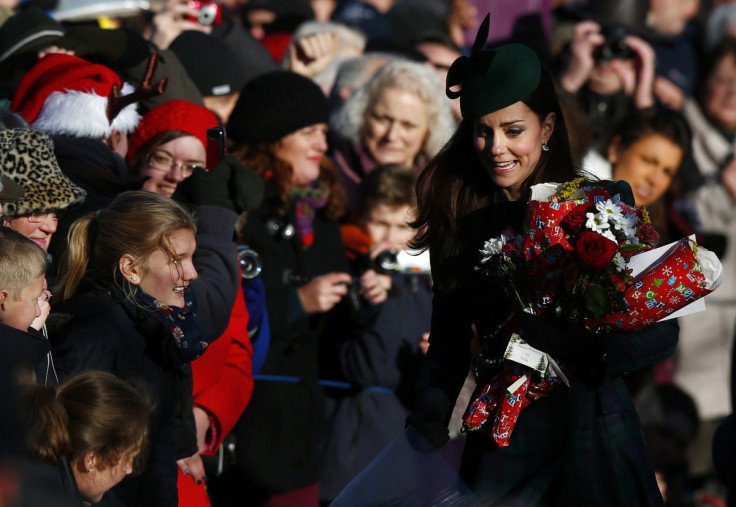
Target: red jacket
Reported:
[(223, 384)]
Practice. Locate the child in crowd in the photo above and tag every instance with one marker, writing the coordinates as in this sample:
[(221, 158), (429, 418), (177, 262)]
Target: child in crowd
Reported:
[(376, 364), (22, 293)]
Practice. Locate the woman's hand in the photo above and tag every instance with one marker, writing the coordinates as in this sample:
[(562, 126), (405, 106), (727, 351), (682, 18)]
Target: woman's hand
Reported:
[(728, 178), (587, 38), (638, 80), (202, 421), (192, 466), (322, 293), (44, 303), (424, 343), (170, 22), (312, 54), (374, 287)]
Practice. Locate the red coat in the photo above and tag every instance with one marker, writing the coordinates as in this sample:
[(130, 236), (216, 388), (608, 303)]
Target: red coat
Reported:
[(223, 384)]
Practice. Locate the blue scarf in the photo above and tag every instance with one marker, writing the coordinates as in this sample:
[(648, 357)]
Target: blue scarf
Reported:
[(186, 337)]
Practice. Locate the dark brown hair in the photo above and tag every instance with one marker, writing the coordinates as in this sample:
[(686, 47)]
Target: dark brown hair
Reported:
[(90, 411), (262, 160), (455, 184), (392, 185)]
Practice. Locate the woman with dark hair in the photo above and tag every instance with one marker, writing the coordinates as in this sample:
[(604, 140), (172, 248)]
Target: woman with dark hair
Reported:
[(581, 444), (93, 427), (278, 127)]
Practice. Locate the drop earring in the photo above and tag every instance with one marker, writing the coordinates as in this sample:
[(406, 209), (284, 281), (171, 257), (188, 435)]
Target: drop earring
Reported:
[(545, 147)]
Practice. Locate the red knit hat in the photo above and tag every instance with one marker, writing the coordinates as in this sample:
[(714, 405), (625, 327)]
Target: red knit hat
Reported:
[(64, 94), (172, 115)]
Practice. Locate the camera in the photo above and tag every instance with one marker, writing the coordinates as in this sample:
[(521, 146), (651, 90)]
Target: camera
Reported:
[(209, 13), (614, 46), (250, 262)]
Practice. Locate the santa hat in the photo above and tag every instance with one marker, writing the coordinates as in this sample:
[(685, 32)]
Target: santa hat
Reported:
[(64, 94), (172, 115)]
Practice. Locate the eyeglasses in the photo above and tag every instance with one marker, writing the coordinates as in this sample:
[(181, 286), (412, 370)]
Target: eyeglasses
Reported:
[(42, 216), (163, 162)]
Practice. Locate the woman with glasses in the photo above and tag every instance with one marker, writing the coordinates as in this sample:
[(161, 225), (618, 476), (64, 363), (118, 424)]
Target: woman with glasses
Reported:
[(28, 159), (169, 144)]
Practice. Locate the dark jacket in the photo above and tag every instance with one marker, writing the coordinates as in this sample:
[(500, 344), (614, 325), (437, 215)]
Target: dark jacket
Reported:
[(99, 330), (96, 168), (581, 445), (287, 417), (92, 165), (29, 351), (381, 361)]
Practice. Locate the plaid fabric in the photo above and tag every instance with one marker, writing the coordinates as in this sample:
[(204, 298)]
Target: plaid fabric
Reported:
[(582, 445)]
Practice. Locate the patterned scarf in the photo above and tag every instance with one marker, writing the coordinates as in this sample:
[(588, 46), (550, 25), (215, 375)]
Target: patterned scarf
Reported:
[(187, 341), (308, 199)]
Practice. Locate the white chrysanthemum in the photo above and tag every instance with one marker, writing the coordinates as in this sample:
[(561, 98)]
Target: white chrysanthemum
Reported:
[(608, 234), (597, 222), (610, 210), (492, 247), (619, 262), (628, 226)]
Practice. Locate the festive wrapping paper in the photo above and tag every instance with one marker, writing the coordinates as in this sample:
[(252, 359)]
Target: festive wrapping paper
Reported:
[(545, 241), (496, 402), (668, 285)]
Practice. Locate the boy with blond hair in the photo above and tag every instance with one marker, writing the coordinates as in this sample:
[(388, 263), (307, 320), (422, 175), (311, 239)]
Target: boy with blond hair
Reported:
[(23, 267)]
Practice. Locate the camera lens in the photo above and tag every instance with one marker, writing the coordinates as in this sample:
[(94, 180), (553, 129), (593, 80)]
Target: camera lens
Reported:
[(250, 263), (388, 260), (207, 15), (614, 47)]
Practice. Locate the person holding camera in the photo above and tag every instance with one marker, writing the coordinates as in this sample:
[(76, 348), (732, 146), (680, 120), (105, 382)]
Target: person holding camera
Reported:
[(610, 73), (278, 130), (375, 364)]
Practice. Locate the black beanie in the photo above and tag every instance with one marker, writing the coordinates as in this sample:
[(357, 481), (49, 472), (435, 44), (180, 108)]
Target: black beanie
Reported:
[(24, 34), (210, 63), (275, 104)]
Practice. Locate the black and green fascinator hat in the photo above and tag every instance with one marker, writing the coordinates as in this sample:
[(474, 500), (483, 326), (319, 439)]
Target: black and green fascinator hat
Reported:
[(491, 79)]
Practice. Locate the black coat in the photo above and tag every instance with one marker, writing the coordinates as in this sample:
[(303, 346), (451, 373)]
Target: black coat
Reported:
[(382, 362), (280, 430), (581, 445), (98, 330), (29, 350)]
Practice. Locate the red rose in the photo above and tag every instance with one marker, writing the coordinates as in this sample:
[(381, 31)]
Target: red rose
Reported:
[(648, 233), (575, 220), (595, 250)]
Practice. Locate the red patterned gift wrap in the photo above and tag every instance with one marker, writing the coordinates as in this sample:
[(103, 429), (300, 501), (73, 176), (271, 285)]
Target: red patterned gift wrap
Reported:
[(673, 282)]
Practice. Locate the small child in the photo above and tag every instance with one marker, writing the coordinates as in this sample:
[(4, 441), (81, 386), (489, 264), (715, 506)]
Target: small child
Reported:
[(377, 361), (23, 292)]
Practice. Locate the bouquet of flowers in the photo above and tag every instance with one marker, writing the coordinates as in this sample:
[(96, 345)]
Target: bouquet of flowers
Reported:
[(571, 260)]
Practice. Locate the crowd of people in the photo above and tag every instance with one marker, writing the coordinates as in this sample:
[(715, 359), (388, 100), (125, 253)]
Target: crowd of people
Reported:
[(205, 215)]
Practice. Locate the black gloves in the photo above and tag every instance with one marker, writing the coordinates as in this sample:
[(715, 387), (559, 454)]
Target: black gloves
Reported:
[(432, 435), (229, 185), (562, 339)]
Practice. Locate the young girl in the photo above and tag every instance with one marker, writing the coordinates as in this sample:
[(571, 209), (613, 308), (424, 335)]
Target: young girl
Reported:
[(127, 309), (93, 427)]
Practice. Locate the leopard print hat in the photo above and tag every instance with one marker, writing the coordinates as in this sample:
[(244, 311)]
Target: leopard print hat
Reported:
[(27, 157)]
